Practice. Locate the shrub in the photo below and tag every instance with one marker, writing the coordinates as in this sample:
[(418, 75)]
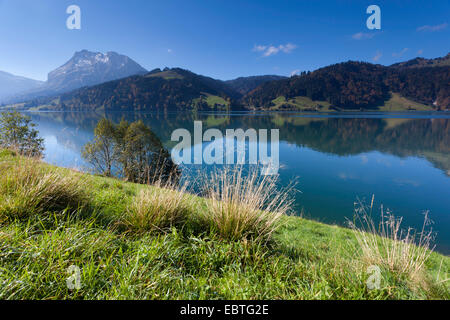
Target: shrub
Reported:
[(28, 188), (244, 205)]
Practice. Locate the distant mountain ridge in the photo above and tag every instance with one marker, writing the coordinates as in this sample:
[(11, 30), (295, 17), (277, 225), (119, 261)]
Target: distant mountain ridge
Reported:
[(11, 84), (422, 62), (85, 68), (361, 85), (156, 90), (353, 85)]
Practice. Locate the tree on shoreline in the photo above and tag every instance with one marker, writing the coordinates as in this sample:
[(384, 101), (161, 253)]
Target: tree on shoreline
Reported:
[(17, 133), (101, 152), (133, 150)]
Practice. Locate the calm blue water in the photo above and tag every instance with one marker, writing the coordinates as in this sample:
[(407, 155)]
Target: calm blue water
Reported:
[(403, 159)]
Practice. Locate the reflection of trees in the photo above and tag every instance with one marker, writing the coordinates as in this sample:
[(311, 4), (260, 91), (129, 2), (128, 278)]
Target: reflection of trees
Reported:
[(338, 136), (418, 136), (429, 138)]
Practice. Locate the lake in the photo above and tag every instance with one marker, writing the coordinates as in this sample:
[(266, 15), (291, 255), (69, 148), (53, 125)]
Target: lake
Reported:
[(402, 159)]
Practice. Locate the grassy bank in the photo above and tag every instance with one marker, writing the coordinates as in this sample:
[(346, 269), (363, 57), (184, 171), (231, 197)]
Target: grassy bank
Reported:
[(73, 219), (396, 103)]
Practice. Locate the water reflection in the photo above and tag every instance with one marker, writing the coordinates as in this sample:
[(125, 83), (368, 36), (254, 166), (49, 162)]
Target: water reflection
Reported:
[(403, 160)]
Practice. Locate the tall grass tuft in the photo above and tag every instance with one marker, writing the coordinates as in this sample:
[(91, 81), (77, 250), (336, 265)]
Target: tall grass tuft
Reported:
[(388, 245), (27, 188), (158, 208), (244, 205)]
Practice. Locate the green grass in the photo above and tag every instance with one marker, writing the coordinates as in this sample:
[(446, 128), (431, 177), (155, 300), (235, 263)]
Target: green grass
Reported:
[(29, 190), (211, 100), (166, 75), (300, 103), (158, 209), (304, 260), (52, 105), (400, 103), (395, 103)]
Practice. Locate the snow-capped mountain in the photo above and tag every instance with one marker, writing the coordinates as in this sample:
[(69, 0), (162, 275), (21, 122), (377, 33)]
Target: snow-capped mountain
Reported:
[(89, 68), (85, 68)]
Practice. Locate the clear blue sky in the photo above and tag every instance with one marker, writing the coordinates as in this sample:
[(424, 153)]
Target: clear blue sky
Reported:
[(222, 39)]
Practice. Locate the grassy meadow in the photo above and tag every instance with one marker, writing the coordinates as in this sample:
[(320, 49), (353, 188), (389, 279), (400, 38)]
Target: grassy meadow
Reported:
[(395, 103), (133, 241), (400, 103)]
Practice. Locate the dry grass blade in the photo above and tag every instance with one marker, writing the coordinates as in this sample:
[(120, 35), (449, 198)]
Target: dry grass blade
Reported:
[(158, 208), (390, 246), (27, 188), (244, 204)]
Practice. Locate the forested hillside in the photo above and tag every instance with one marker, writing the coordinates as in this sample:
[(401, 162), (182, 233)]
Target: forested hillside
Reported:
[(359, 85), (244, 85), (170, 88), (417, 84)]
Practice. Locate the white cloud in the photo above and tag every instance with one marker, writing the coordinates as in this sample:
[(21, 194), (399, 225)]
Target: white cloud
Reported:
[(259, 48), (428, 28), (273, 50), (377, 56), (401, 53), (363, 36)]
